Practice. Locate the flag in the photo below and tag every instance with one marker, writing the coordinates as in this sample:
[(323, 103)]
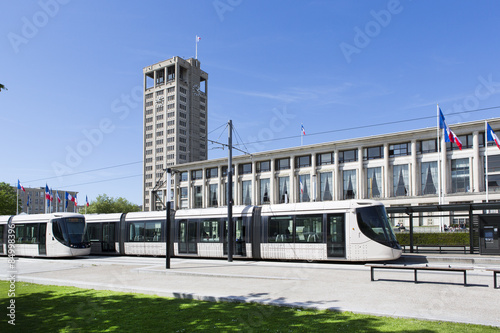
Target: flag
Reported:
[(449, 136), (47, 193), (51, 196), (87, 200), (198, 38), (302, 130), (28, 201), (58, 197), (491, 136), (301, 187), (75, 200), (67, 197), (19, 186)]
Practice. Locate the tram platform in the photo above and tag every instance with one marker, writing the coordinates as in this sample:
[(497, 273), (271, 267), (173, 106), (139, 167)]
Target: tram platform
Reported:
[(335, 286)]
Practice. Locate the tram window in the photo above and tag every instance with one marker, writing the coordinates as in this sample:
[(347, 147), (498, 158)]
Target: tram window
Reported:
[(136, 232), (374, 224), (210, 231), (1, 238), (280, 229), (94, 232), (152, 231), (308, 229), (26, 233)]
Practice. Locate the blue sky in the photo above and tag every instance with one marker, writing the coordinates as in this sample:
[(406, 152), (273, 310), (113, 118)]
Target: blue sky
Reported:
[(73, 70)]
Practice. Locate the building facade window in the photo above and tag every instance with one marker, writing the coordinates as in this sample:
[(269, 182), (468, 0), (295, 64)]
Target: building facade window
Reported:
[(349, 184), (304, 188), (196, 174), (184, 197), (401, 180), (184, 176), (213, 195), (493, 172), (283, 164), (198, 196), (303, 161), (400, 149), (246, 193), (265, 186), (374, 182), (466, 141), (325, 186), (460, 178), (427, 146), (429, 178), (348, 156), (212, 172), (325, 158), (264, 166), (244, 169), (372, 153), (283, 193)]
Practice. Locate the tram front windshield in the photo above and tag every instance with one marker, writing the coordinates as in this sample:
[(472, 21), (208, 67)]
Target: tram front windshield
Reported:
[(374, 224), (70, 231)]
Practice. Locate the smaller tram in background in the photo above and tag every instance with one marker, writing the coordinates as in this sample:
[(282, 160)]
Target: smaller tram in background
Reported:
[(350, 230), (45, 235)]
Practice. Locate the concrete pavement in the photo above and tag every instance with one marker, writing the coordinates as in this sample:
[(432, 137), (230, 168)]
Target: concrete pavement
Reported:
[(335, 286)]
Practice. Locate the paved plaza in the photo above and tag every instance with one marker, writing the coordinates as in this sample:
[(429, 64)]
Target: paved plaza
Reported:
[(335, 286)]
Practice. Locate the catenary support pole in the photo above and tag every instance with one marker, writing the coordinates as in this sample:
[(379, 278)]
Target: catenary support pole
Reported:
[(168, 222), (230, 193)]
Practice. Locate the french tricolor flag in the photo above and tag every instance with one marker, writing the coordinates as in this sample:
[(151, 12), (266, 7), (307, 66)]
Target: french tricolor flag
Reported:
[(449, 136), (47, 192), (491, 136), (19, 186)]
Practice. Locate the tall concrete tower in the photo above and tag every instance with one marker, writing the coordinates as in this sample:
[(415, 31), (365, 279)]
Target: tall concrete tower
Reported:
[(175, 122)]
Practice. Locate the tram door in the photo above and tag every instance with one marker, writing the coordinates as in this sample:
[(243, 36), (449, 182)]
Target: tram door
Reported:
[(42, 244), (335, 232), (187, 237), (239, 238), (108, 237)]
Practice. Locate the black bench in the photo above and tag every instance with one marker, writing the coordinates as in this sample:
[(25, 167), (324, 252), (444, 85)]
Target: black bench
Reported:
[(495, 272), (440, 247), (416, 268)]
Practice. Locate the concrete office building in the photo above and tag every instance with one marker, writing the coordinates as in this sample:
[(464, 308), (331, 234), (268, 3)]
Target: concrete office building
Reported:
[(396, 169), (175, 122)]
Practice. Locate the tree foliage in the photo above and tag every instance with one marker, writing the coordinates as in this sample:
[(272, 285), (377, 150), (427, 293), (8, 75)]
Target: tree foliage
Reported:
[(7, 199), (2, 87), (105, 205)]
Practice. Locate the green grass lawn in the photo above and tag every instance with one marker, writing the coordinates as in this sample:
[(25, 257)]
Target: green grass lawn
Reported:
[(41, 308)]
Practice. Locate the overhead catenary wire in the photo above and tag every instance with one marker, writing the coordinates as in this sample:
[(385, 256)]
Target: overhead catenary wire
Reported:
[(261, 141), (369, 126), (86, 171)]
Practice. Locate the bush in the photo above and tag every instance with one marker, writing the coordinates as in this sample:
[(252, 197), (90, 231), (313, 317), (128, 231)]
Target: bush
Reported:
[(435, 238)]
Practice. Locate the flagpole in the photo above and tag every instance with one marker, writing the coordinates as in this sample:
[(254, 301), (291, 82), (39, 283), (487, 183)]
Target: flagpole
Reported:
[(196, 56), (440, 165), (17, 201), (486, 157), (439, 156)]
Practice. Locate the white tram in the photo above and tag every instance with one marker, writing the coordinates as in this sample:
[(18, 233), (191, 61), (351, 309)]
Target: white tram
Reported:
[(44, 235), (350, 230)]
